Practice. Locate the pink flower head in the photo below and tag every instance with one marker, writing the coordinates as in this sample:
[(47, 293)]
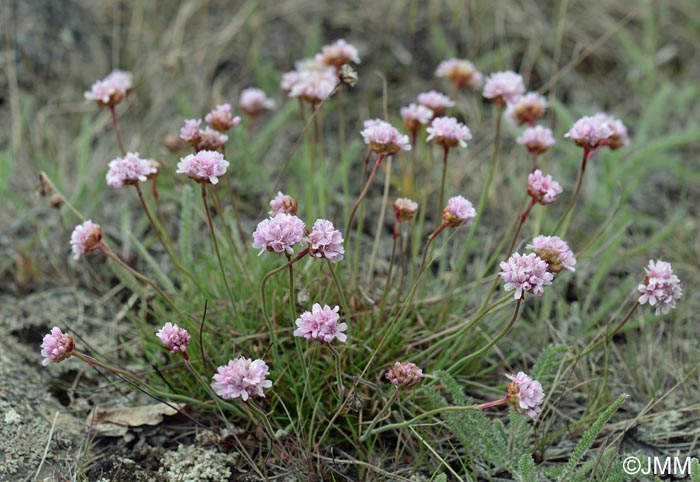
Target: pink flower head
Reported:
[(253, 101), (590, 132), (435, 101), (221, 118), (460, 72), (415, 116), (325, 241), (404, 374), (242, 378), (111, 90), (555, 252), (527, 109), (283, 203), (537, 139), (619, 137), (279, 234), (339, 53), (129, 170), (174, 338), (86, 237), (203, 167), (314, 86), (191, 133), (288, 80), (405, 209), (525, 394), (211, 139), (56, 346), (543, 189), (123, 81), (525, 273), (660, 288), (383, 138), (459, 211), (321, 324), (504, 87), (448, 132)]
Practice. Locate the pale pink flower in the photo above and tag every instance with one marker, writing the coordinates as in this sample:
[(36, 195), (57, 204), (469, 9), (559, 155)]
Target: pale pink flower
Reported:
[(111, 90), (590, 132), (282, 203), (211, 139), (121, 80), (339, 53), (537, 139), (174, 338), (554, 251), (435, 101), (221, 118), (56, 346), (288, 80), (525, 394), (660, 288), (313, 85), (383, 138), (325, 241), (525, 273), (203, 167), (504, 87), (191, 132), (448, 132), (404, 374), (321, 324), (415, 116), (405, 209), (86, 237), (242, 378), (460, 72), (527, 109), (253, 101), (543, 189), (129, 170), (619, 137), (459, 211), (279, 234)]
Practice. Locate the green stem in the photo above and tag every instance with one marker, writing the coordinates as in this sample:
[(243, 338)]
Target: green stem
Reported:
[(338, 373), (391, 267), (372, 174), (115, 124), (441, 206), (379, 416), (587, 154), (339, 287), (292, 302)]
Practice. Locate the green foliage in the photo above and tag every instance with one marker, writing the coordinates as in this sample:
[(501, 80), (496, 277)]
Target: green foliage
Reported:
[(695, 470)]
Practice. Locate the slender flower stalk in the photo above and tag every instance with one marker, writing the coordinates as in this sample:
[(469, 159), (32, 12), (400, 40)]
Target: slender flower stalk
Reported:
[(442, 182), (379, 417), (372, 174), (263, 283), (521, 221), (587, 154), (118, 133), (389, 273), (234, 309)]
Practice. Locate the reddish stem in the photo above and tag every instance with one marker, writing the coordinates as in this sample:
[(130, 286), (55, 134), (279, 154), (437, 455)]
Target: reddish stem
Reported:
[(380, 157), (116, 130)]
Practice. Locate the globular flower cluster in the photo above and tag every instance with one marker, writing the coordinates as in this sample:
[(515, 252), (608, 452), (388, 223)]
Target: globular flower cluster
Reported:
[(525, 273), (129, 169), (109, 91), (282, 203), (527, 109), (339, 53), (504, 87), (404, 374), (313, 81), (325, 241), (590, 132), (383, 138), (405, 209), (555, 252), (85, 237), (191, 133), (435, 101), (619, 137), (211, 139), (543, 189), (56, 346), (242, 378), (174, 338), (660, 288), (525, 394), (537, 139), (459, 211), (415, 116), (279, 234), (448, 132), (460, 72), (321, 323), (204, 166), (221, 118), (254, 101)]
